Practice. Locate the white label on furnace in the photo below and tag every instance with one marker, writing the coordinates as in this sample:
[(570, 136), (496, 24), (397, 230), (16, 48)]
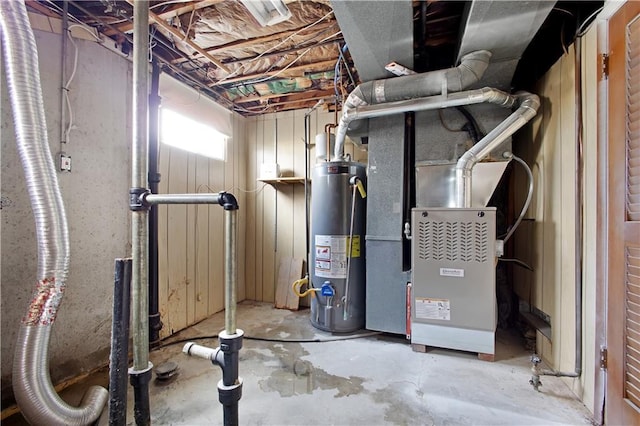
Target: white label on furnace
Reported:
[(439, 309), (450, 272), (331, 256)]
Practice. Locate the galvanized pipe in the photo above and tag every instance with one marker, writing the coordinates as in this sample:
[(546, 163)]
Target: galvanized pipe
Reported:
[(139, 168), (440, 82), (469, 97), (33, 390), (528, 107), (140, 373), (205, 198), (230, 279)]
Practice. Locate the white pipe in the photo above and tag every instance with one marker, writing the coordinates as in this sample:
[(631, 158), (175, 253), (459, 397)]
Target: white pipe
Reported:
[(528, 107), (33, 390), (472, 67)]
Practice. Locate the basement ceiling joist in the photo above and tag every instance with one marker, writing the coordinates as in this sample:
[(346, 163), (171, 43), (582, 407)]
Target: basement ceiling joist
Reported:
[(217, 47)]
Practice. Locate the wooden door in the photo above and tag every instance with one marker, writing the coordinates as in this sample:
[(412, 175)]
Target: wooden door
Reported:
[(623, 317)]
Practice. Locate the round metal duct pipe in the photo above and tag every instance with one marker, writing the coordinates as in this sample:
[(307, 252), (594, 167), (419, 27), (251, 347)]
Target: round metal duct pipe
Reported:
[(34, 392), (472, 67)]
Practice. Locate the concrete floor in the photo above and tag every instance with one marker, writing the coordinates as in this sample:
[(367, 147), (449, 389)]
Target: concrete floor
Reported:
[(372, 380), (367, 381)]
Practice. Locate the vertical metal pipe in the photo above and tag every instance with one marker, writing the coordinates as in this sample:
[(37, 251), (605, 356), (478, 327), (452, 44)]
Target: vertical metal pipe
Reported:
[(119, 359), (139, 230), (230, 279), (63, 78), (307, 118), (155, 325)]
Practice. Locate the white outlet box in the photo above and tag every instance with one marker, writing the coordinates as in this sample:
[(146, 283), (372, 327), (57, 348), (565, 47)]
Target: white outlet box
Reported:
[(65, 162)]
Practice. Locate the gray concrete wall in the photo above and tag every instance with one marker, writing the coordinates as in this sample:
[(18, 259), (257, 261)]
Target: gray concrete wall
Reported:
[(95, 196)]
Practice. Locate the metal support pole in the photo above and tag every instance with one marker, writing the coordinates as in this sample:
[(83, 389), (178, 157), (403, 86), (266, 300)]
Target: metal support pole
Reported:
[(227, 354), (119, 358), (140, 373), (230, 279)]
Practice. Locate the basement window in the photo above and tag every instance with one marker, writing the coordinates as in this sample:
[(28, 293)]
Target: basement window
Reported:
[(190, 135)]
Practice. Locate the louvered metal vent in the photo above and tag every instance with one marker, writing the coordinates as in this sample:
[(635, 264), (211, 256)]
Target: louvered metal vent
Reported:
[(632, 348), (453, 241), (633, 120)]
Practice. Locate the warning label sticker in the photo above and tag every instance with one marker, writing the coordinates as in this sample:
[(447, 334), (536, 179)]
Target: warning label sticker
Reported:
[(355, 245), (439, 309), (331, 256)]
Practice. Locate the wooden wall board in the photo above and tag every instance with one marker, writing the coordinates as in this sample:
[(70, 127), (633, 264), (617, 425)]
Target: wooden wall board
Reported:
[(177, 244), (163, 255), (289, 270), (201, 225), (269, 222), (192, 237), (216, 240)]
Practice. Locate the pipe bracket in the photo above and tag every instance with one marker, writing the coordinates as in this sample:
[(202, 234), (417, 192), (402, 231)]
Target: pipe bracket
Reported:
[(136, 199)]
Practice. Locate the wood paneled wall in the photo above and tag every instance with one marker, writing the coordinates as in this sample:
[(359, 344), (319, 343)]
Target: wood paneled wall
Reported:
[(546, 239), (276, 215), (190, 237), (551, 153)]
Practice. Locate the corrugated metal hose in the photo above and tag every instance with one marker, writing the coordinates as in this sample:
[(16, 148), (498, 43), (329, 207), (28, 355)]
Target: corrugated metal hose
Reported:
[(34, 392)]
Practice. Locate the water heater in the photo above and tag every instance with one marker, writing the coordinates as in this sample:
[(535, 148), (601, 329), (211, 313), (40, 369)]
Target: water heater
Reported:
[(337, 247)]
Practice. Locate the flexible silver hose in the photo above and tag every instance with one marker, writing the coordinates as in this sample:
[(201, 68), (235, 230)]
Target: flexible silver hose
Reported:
[(33, 390), (527, 202)]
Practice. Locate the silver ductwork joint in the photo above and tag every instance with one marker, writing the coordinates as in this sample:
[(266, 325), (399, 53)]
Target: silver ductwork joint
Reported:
[(34, 392), (472, 67), (528, 105)]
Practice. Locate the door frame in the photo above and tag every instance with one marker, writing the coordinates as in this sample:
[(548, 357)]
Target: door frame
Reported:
[(604, 232)]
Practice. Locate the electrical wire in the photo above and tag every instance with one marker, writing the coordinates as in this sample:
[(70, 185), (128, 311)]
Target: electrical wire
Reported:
[(271, 77), (583, 28), (441, 116), (243, 65), (527, 200), (239, 108), (563, 10), (275, 340), (67, 84), (517, 262)]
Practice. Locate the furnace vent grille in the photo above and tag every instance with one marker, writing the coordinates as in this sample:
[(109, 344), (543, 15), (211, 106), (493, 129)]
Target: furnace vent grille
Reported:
[(453, 241)]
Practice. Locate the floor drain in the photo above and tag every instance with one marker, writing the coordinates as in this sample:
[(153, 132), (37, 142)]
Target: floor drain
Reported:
[(166, 371)]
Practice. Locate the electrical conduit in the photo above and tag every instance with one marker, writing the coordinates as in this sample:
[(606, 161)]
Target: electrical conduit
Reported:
[(34, 392)]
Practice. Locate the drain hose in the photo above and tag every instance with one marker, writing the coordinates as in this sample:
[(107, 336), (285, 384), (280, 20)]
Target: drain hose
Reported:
[(34, 392)]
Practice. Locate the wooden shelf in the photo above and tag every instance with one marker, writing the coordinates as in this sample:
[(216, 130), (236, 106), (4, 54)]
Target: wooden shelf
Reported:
[(287, 180)]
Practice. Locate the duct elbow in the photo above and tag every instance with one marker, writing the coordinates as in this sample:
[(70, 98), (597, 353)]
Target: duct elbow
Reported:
[(471, 69), (529, 104)]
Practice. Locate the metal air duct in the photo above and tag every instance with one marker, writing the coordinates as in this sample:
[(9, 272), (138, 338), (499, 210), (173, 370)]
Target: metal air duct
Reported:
[(415, 86), (505, 28), (34, 392)]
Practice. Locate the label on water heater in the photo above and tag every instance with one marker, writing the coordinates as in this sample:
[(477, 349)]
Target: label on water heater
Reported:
[(331, 256)]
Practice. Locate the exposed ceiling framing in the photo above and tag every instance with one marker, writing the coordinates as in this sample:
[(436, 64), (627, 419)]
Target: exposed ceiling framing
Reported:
[(217, 47)]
